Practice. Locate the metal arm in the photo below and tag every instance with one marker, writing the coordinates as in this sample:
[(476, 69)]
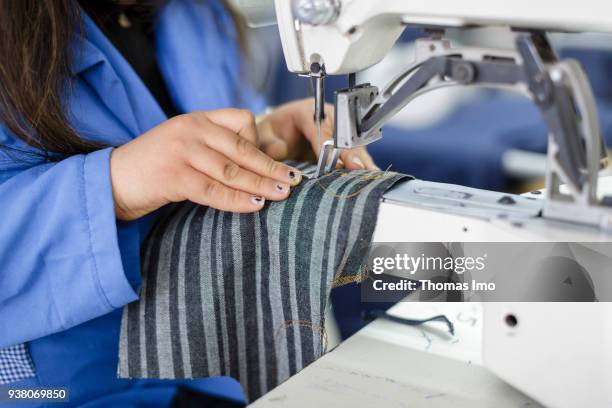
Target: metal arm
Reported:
[(560, 89)]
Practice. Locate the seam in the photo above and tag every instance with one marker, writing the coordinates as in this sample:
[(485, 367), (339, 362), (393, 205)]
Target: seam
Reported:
[(91, 246)]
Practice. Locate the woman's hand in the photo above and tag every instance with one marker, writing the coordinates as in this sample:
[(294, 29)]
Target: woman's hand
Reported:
[(210, 158), (289, 132)]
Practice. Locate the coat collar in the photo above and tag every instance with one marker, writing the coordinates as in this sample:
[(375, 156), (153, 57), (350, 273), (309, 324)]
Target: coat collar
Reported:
[(120, 89), (198, 56)]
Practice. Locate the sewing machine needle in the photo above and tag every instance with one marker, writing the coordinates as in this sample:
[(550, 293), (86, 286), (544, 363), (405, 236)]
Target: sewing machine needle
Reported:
[(318, 74)]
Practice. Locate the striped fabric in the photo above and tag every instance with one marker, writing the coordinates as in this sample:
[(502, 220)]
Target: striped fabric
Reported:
[(244, 295)]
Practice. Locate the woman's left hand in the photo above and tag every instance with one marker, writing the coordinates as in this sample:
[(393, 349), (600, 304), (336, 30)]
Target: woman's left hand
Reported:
[(290, 133)]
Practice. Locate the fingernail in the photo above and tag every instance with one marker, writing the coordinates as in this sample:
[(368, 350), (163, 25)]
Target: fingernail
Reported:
[(376, 168), (293, 175), (283, 188), (257, 200), (357, 160)]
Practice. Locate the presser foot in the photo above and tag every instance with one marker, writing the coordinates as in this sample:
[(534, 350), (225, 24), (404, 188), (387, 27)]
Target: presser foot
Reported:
[(328, 158)]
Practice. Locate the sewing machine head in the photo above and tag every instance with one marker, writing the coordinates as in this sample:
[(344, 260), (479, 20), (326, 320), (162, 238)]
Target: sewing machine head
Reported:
[(350, 35), (323, 37), (332, 37)]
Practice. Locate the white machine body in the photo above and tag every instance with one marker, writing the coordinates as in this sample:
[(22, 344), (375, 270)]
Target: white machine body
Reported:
[(365, 30), (560, 354)]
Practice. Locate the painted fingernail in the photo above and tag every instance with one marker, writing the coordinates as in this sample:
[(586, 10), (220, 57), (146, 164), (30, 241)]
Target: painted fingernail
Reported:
[(357, 160), (293, 175), (257, 200), (283, 188)]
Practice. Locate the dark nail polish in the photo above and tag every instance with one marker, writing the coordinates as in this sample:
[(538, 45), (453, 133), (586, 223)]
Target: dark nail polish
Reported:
[(257, 200), (292, 175)]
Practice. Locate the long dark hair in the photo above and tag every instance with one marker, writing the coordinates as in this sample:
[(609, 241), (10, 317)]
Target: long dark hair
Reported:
[(36, 54)]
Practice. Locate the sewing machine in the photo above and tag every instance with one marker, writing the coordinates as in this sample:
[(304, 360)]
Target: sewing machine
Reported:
[(334, 37)]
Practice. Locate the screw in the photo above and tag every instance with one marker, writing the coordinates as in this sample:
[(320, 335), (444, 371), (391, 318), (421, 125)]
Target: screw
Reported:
[(463, 73)]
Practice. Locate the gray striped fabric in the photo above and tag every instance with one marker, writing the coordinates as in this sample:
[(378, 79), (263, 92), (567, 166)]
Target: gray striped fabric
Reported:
[(244, 295)]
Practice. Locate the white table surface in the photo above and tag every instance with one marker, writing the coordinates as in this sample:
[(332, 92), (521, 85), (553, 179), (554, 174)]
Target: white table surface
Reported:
[(387, 364)]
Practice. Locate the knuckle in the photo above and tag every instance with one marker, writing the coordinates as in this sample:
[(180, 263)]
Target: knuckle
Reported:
[(272, 166), (173, 171), (230, 171), (236, 196), (259, 183), (243, 147), (177, 144), (184, 122), (248, 117), (212, 189)]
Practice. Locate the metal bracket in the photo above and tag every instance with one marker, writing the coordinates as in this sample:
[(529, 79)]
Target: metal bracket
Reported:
[(576, 149), (351, 108)]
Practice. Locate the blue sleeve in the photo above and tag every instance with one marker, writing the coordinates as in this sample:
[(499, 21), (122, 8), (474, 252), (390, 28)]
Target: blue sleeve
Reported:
[(61, 248), (254, 101)]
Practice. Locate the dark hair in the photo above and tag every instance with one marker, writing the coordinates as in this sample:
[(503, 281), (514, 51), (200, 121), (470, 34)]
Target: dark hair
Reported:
[(35, 73)]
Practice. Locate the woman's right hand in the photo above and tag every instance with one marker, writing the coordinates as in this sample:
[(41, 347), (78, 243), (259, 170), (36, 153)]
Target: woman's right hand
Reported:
[(209, 158)]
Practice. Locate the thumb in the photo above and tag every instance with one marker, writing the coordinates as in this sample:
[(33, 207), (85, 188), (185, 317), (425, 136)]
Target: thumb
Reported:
[(275, 148), (270, 143)]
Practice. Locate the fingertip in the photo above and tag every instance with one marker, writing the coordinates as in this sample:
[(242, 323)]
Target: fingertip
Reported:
[(355, 163), (258, 201), (370, 165), (251, 204), (294, 176), (282, 188)]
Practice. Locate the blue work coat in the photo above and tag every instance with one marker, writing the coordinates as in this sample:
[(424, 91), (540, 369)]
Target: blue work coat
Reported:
[(67, 267)]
